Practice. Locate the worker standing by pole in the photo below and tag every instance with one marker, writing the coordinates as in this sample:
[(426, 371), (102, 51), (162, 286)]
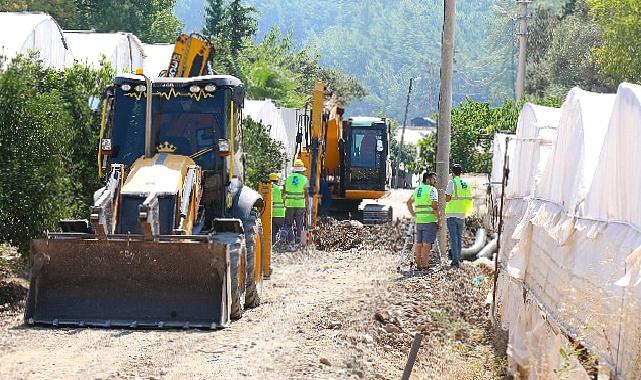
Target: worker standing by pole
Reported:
[(520, 75), (458, 196), (445, 105)]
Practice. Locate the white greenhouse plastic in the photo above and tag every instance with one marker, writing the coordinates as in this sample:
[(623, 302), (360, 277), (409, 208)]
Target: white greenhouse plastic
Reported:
[(576, 270), (157, 57), (123, 50), (33, 31)]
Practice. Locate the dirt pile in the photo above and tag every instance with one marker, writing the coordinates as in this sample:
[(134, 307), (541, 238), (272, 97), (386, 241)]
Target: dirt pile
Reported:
[(448, 306), (343, 235), (13, 283)]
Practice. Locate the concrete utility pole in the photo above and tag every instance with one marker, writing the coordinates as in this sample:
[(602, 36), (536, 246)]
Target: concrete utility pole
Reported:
[(522, 33), (445, 114), (400, 144)]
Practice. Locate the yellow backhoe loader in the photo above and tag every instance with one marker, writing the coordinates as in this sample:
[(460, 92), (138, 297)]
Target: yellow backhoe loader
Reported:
[(174, 239)]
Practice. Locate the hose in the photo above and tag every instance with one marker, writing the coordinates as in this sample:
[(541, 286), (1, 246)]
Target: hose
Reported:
[(479, 242), (489, 249)]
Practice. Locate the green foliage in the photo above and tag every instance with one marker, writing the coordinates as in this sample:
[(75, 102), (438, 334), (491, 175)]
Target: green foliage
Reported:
[(381, 44), (619, 56), (408, 153), (426, 159), (472, 121), (65, 12), (473, 126), (214, 17), (562, 57), (150, 20), (48, 167), (264, 155)]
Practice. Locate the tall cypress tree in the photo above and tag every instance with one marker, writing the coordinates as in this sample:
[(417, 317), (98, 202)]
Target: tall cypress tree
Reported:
[(214, 18), (240, 25)]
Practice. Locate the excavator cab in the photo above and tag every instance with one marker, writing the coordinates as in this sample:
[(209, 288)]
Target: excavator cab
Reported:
[(366, 158), (173, 239)]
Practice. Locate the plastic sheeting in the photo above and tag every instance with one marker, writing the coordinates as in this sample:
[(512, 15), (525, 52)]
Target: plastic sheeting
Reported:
[(123, 50), (579, 245), (583, 123), (26, 31), (529, 151), (157, 57), (266, 113)]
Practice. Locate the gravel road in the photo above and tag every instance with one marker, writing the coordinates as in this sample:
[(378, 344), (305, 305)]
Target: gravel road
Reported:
[(321, 319)]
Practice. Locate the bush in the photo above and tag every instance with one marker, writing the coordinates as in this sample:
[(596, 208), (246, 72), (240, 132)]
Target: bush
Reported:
[(264, 155), (48, 146)]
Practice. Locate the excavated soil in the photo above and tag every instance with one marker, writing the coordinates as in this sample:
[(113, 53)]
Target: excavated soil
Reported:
[(13, 283), (343, 312)]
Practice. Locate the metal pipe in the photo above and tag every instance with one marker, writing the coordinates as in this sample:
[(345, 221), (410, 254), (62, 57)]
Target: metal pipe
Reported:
[(506, 173), (416, 345), (479, 242), (150, 93)]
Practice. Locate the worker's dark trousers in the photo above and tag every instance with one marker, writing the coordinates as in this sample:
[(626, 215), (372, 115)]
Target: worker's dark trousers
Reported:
[(296, 215), (277, 224), (455, 227)]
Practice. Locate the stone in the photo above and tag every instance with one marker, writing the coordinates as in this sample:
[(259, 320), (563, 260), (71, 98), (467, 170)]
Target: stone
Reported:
[(392, 329)]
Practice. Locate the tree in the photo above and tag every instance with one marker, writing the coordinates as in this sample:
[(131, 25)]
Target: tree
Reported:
[(65, 12), (240, 26), (264, 155), (214, 17), (619, 56), (151, 20), (48, 144), (561, 54)]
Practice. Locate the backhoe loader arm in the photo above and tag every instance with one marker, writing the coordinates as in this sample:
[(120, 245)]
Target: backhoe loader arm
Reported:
[(104, 212), (191, 57)]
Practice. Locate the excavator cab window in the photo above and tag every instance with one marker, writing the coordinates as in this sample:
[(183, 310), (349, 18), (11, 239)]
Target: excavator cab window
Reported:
[(364, 151)]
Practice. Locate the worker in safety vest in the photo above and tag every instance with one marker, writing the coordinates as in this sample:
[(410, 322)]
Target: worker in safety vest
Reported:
[(459, 205), (278, 206), (295, 196), (423, 205)]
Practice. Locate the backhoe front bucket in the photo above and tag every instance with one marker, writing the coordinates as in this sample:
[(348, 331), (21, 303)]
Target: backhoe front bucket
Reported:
[(178, 283)]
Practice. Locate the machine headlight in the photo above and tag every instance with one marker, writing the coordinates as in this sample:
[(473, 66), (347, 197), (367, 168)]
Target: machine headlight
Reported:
[(223, 147), (140, 88), (194, 88), (105, 144), (210, 88), (125, 87)]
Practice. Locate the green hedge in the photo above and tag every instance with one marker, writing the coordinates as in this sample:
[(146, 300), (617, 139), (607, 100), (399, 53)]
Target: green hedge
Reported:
[(48, 146)]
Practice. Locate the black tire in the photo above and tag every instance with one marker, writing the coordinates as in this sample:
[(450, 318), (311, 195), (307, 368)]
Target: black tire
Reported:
[(254, 288), (237, 256)]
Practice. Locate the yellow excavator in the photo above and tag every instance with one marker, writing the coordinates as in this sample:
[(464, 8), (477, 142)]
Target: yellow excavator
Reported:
[(174, 238), (349, 157)]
